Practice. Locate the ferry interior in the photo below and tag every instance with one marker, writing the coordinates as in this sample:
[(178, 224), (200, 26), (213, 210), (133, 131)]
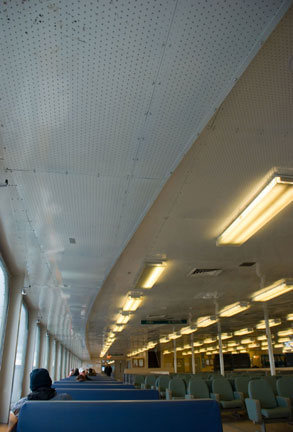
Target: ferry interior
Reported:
[(146, 216)]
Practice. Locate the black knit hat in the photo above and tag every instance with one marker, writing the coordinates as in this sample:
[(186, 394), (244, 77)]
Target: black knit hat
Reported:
[(40, 378)]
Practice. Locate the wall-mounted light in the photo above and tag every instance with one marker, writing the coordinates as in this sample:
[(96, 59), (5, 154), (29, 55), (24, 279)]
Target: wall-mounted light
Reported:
[(278, 288), (151, 274), (132, 302), (206, 321), (264, 207), (272, 323), (233, 309)]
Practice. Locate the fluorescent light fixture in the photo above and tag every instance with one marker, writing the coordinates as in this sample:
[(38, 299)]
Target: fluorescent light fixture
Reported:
[(187, 346), (151, 274), (290, 317), (215, 352), (132, 302), (232, 344), (225, 336), (243, 351), (253, 345), (287, 332), (276, 289), (243, 331), (247, 341), (164, 340), (262, 338), (166, 352), (174, 335), (123, 318), (210, 348), (233, 309), (209, 340), (188, 330), (118, 328), (179, 348), (206, 321), (209, 353), (284, 339), (197, 344), (266, 205), (272, 323), (234, 352), (279, 345), (239, 347)]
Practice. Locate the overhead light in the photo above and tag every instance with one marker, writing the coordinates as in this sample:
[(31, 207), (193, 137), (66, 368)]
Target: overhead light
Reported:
[(206, 321), (234, 309), (232, 344), (174, 335), (209, 353), (279, 345), (123, 318), (225, 336), (188, 330), (118, 328), (188, 346), (253, 345), (196, 344), (278, 288), (243, 351), (151, 274), (290, 317), (247, 341), (166, 352), (284, 339), (287, 332), (234, 352), (239, 347), (179, 348), (243, 331), (272, 323), (164, 340), (132, 302), (209, 340), (267, 204)]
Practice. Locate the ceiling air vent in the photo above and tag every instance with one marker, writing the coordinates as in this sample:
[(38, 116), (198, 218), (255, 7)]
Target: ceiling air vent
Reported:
[(247, 264), (204, 272)]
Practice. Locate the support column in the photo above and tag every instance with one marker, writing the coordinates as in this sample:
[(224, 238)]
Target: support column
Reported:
[(43, 347), (192, 354), (15, 285), (269, 338), (30, 350), (221, 357), (175, 356)]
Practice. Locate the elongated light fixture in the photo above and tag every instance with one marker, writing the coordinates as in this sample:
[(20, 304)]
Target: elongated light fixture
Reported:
[(247, 341), (132, 302), (150, 275), (290, 317), (118, 328), (287, 332), (188, 330), (197, 344), (174, 335), (243, 331), (272, 323), (123, 318), (206, 321), (278, 288), (210, 340), (234, 309), (164, 340), (225, 336), (264, 207)]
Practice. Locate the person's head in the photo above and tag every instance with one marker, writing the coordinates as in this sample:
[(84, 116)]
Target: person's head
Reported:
[(76, 373), (90, 370), (81, 371), (40, 378)]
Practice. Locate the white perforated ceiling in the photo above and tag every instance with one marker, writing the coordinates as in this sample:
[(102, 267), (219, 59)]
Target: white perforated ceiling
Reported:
[(99, 102)]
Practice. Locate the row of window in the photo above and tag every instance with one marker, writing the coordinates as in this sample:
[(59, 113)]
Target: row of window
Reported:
[(58, 360)]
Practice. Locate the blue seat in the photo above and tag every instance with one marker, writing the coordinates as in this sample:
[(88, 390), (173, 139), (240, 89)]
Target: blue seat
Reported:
[(110, 394), (122, 416), (84, 385)]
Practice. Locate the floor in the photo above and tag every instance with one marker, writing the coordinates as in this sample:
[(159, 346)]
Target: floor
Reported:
[(248, 426)]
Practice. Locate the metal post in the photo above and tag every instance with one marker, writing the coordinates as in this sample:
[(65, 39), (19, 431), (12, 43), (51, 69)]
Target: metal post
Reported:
[(192, 354), (221, 357), (269, 338), (175, 356)]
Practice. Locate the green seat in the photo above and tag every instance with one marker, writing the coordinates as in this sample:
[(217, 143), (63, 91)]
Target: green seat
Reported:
[(272, 381), (176, 389), (241, 385), (162, 383), (285, 386), (197, 389), (138, 380), (262, 405), (149, 382), (223, 393)]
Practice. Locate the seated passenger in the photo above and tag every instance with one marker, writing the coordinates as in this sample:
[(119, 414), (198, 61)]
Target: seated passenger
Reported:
[(82, 375), (40, 384), (91, 372), (71, 373), (76, 373)]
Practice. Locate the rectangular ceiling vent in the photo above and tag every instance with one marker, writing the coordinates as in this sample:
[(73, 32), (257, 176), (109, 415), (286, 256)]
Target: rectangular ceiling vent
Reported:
[(204, 272)]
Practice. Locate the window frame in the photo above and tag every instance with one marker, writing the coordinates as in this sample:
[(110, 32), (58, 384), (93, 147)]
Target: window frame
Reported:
[(3, 322)]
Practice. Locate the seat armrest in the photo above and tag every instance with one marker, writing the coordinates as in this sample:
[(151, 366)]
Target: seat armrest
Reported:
[(189, 396), (238, 395), (153, 387), (215, 396), (168, 394), (253, 410), (283, 402), (142, 386)]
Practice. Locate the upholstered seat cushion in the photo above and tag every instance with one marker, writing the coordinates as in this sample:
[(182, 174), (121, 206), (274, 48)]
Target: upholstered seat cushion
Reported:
[(273, 413), (231, 404)]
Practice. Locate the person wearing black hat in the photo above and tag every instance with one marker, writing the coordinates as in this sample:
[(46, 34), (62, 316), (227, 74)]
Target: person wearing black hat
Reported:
[(40, 384)]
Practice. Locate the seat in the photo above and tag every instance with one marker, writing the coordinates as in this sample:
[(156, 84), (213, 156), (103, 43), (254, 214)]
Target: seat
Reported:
[(262, 405), (241, 385), (197, 389), (272, 381), (138, 380), (285, 388), (176, 389), (161, 384), (149, 382), (223, 393)]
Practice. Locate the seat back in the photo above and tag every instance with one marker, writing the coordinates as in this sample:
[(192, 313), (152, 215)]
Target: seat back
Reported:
[(198, 389), (138, 380), (108, 394), (150, 381), (261, 390), (272, 381), (85, 385), (241, 385), (223, 388), (163, 382), (285, 386), (178, 387)]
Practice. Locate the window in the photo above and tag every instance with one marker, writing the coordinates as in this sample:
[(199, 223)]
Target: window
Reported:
[(47, 352), (3, 306), (37, 347), (20, 355), (53, 360)]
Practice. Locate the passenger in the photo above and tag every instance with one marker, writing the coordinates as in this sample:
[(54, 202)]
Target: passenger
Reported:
[(71, 373), (40, 384), (82, 375), (108, 370), (76, 373), (91, 372)]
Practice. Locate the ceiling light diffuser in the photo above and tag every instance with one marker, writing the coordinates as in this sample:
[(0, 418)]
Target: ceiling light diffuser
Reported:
[(132, 302), (264, 207), (247, 341), (150, 275), (174, 335), (290, 317), (164, 340), (118, 328), (123, 318), (243, 331), (225, 336), (188, 330), (234, 309), (272, 323), (278, 288), (287, 332), (206, 321), (210, 340)]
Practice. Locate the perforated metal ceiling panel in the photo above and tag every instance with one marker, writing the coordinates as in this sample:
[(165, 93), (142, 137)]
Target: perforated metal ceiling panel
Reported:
[(99, 102)]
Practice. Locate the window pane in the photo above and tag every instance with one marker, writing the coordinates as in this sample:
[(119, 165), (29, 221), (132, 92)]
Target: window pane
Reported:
[(3, 307), (53, 360), (20, 355), (37, 347)]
